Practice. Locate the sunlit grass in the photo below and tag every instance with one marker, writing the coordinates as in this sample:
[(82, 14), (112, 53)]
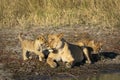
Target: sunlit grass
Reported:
[(59, 12)]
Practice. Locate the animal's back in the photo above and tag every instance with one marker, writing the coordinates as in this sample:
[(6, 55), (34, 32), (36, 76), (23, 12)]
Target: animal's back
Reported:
[(76, 52), (28, 45)]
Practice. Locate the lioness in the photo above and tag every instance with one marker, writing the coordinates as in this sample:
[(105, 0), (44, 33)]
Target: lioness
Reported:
[(62, 50), (35, 46), (95, 45)]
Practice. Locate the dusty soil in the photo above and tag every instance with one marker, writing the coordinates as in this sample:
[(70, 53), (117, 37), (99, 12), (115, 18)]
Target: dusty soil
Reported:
[(12, 67)]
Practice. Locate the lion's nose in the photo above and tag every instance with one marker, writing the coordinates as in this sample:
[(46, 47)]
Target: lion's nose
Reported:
[(46, 44)]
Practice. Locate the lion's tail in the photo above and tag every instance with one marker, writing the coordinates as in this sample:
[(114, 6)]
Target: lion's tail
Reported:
[(19, 37)]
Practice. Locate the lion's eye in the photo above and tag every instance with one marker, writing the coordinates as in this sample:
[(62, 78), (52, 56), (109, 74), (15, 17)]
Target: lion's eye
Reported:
[(52, 39), (37, 38)]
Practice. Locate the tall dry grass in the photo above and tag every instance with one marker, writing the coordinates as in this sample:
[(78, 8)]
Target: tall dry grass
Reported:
[(59, 12)]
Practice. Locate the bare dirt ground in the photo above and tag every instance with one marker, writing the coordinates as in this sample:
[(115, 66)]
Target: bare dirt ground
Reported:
[(12, 67)]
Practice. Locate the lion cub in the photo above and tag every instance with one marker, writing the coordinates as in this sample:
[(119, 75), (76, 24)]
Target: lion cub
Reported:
[(96, 46), (35, 46), (63, 51)]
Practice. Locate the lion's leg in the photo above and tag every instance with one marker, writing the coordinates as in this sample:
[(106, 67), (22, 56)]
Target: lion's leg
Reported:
[(87, 55), (41, 55), (24, 54), (70, 64), (50, 60), (40, 58)]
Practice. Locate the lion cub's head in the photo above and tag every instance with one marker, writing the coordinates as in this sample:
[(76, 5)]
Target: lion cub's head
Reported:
[(55, 41), (41, 41), (95, 45)]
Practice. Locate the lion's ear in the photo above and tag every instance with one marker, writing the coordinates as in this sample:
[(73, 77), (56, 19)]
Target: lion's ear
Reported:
[(101, 43), (93, 42), (48, 35), (60, 35), (38, 37)]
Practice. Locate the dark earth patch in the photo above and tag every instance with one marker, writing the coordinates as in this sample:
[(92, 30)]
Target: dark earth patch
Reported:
[(13, 67)]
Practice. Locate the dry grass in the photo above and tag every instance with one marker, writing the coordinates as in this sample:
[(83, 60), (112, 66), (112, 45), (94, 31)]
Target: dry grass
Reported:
[(59, 12)]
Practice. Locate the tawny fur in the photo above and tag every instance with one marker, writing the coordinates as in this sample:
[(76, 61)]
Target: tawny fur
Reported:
[(64, 51), (35, 46), (95, 45)]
